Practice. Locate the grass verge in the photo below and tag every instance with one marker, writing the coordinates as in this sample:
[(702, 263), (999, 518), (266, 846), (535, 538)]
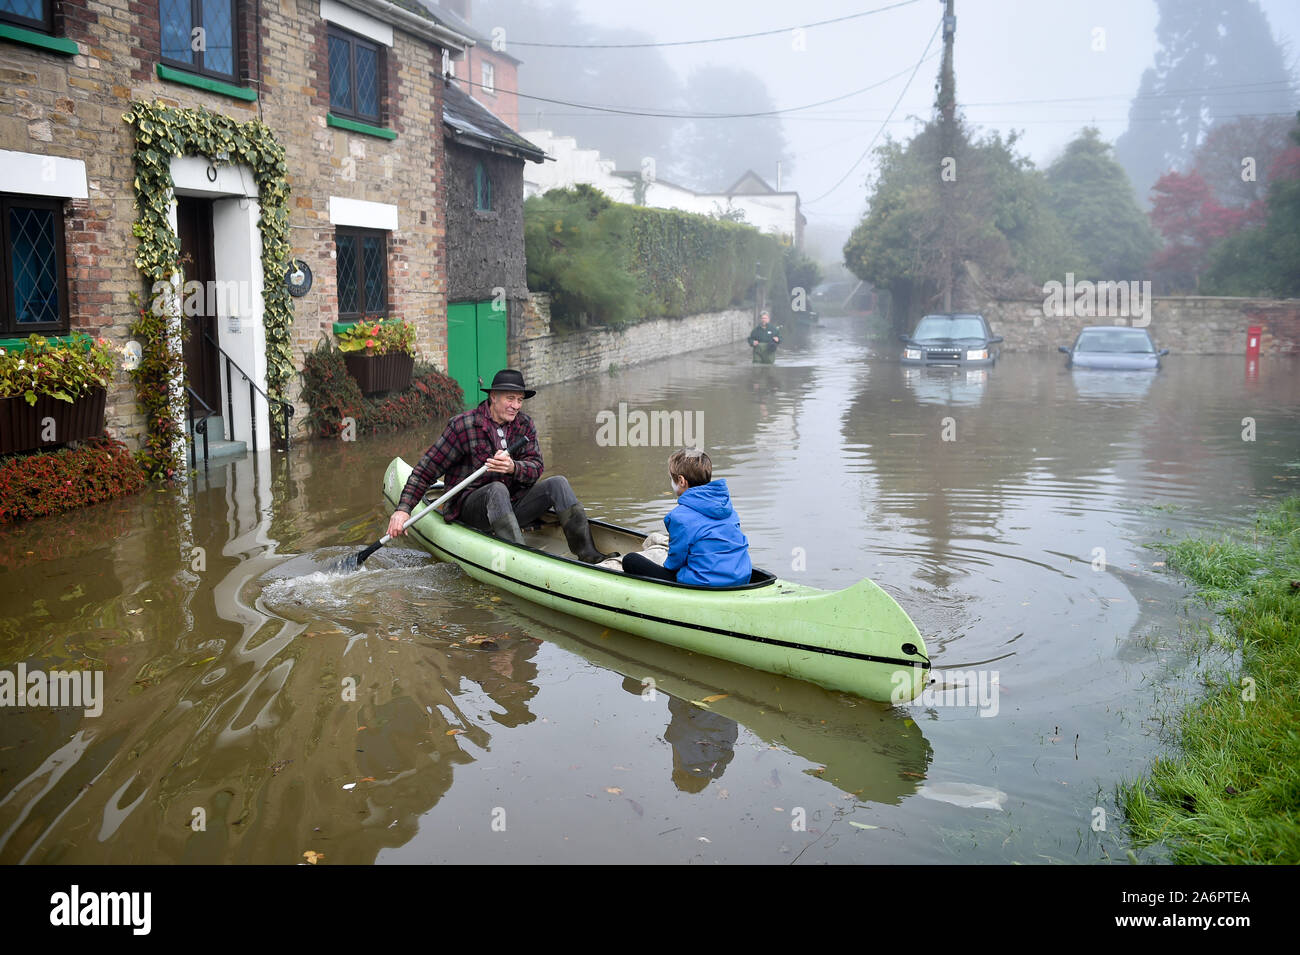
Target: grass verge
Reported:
[(1233, 794)]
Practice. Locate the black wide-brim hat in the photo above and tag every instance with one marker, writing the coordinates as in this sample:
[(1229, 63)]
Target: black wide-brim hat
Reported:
[(507, 379)]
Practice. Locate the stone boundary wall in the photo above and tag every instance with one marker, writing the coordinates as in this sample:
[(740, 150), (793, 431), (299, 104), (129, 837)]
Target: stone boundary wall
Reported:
[(546, 357), (1188, 325)]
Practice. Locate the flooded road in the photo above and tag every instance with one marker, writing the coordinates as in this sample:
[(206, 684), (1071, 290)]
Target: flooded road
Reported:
[(254, 709)]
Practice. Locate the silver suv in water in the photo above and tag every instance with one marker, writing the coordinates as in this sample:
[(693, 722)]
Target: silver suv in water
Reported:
[(951, 338)]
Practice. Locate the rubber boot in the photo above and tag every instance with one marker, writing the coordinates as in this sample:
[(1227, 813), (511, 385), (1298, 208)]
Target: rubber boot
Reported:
[(577, 532), (507, 528)]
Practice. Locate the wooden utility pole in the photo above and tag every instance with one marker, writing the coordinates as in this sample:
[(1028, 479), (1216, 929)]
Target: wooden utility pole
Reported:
[(947, 105)]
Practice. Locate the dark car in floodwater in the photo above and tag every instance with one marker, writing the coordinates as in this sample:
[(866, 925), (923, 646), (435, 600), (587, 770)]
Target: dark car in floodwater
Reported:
[(951, 339), (1113, 347)]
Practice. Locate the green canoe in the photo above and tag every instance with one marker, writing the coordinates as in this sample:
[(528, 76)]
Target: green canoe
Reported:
[(857, 640)]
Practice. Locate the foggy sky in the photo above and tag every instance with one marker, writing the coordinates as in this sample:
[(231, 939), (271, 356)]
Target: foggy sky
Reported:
[(1007, 52)]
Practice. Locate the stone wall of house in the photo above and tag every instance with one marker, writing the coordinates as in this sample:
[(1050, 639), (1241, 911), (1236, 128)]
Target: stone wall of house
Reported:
[(71, 106), (488, 253), (1197, 325), (546, 357)]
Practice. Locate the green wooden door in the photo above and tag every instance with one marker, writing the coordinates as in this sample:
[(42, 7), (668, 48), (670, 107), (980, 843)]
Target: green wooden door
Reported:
[(462, 349), (491, 341), (476, 346)]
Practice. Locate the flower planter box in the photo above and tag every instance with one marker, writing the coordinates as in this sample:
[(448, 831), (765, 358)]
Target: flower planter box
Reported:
[(22, 425), (376, 373)]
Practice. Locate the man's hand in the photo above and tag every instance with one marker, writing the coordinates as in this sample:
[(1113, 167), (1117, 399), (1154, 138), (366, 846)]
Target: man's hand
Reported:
[(501, 463), (775, 340), (395, 528)]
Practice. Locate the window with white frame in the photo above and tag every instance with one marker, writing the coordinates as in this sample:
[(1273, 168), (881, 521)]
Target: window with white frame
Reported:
[(489, 78)]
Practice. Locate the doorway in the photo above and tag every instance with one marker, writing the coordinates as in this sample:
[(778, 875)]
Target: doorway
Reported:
[(194, 229)]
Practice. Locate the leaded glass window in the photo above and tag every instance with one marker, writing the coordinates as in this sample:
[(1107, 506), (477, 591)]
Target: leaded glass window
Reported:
[(356, 76), (199, 35), (37, 14), (362, 266), (35, 297)]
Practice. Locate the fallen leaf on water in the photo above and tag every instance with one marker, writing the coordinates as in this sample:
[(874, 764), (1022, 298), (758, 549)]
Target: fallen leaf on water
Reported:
[(705, 839), (367, 779), (313, 856), (917, 775), (1158, 563), (639, 810), (139, 610), (477, 638), (613, 790), (454, 732), (715, 697), (862, 825), (349, 785), (204, 660)]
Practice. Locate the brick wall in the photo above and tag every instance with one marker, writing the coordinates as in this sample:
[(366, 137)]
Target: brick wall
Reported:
[(1193, 325), (546, 357), (52, 104)]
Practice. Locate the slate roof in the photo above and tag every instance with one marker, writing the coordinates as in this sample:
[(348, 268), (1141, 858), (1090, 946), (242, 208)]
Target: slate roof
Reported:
[(472, 125)]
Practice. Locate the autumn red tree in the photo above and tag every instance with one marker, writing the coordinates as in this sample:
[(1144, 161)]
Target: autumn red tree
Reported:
[(1185, 211)]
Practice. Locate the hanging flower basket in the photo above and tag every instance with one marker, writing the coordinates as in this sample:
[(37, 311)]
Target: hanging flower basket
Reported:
[(376, 373), (379, 354), (24, 427), (52, 391)]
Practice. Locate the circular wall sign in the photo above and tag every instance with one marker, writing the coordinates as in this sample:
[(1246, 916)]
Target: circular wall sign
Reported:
[(298, 278)]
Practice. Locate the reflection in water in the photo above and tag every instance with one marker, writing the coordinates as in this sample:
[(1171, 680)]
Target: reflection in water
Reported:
[(947, 386), (256, 709), (703, 744)]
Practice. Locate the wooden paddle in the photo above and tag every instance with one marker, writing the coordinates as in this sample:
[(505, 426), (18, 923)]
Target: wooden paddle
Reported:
[(348, 564)]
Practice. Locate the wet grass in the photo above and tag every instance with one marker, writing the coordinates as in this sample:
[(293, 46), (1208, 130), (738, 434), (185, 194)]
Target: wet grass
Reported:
[(1232, 793)]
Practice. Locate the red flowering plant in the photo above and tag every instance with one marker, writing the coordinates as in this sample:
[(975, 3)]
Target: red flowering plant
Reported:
[(378, 336), (62, 371)]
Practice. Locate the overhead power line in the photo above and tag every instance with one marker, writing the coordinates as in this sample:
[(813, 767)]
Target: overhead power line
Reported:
[(670, 114), (867, 151), (716, 39)]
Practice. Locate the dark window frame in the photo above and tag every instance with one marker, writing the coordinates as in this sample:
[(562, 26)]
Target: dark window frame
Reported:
[(43, 25), (199, 66), (381, 76), (9, 324), (366, 309)]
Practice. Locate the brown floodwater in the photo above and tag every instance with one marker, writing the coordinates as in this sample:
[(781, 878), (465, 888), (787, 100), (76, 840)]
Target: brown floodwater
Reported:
[(255, 708)]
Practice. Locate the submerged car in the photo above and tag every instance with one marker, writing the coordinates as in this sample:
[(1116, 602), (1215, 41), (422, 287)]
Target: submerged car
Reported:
[(951, 339), (1118, 347)]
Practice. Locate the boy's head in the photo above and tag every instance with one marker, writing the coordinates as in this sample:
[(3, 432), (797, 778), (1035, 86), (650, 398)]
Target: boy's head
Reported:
[(691, 465)]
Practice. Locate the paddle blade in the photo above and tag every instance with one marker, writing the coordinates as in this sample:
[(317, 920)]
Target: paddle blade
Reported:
[(352, 562), (365, 554)]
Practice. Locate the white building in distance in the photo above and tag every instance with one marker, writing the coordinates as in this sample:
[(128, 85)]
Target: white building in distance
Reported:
[(761, 206)]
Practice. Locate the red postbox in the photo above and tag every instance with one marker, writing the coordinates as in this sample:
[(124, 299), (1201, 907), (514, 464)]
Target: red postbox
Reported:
[(1252, 341)]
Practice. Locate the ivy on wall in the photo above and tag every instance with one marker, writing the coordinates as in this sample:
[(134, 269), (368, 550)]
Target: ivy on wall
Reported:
[(161, 133)]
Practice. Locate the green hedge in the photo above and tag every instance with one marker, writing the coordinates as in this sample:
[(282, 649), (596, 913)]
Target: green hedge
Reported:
[(616, 264)]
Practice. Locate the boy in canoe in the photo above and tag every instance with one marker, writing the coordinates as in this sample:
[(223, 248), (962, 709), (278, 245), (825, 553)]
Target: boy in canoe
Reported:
[(705, 544)]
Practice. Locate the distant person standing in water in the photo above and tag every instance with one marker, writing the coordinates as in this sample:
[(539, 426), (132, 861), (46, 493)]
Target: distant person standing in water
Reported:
[(764, 339)]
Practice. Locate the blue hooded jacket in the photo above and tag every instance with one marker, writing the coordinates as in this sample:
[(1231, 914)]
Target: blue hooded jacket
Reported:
[(705, 544)]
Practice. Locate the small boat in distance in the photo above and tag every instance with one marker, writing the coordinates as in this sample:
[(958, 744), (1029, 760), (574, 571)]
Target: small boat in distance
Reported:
[(857, 640)]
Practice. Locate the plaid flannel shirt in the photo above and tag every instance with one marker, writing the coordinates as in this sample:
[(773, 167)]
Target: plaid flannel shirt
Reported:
[(468, 441)]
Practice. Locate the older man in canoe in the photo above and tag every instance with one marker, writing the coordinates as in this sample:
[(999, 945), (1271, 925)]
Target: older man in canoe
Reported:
[(509, 495)]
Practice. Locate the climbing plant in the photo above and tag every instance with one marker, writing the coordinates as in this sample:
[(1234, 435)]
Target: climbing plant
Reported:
[(163, 132)]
